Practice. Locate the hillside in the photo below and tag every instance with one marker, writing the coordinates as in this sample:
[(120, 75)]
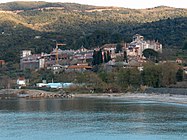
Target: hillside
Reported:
[(77, 25)]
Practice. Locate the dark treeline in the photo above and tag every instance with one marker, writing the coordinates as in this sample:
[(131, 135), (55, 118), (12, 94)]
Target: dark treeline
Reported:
[(98, 57), (118, 80), (159, 75)]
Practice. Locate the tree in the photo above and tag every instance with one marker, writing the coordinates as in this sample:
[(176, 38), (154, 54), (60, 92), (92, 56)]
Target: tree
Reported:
[(27, 73), (185, 45), (179, 75), (6, 82), (125, 56), (150, 54), (169, 71), (97, 57), (151, 75), (100, 57), (104, 76), (118, 48), (128, 77), (160, 75), (108, 56), (94, 61), (105, 57), (46, 74)]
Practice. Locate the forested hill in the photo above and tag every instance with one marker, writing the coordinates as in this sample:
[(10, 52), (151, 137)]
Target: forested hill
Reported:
[(34, 25)]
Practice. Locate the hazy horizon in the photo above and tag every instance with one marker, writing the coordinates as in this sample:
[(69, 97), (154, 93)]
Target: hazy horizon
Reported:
[(118, 3)]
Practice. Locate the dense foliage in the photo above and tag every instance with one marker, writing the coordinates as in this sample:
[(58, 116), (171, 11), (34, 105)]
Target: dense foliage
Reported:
[(35, 26), (76, 25), (151, 54)]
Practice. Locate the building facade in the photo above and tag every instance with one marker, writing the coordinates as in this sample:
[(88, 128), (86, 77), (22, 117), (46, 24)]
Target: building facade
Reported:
[(138, 45)]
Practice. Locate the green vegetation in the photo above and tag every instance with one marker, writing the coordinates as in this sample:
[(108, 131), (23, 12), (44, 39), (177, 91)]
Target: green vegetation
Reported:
[(78, 25), (180, 75), (151, 54), (117, 80), (185, 45), (34, 25), (97, 57), (160, 75)]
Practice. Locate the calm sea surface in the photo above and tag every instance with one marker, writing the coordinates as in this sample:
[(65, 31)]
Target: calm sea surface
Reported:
[(91, 119)]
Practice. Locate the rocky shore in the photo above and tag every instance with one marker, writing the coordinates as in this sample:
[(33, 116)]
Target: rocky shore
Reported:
[(158, 97), (24, 93)]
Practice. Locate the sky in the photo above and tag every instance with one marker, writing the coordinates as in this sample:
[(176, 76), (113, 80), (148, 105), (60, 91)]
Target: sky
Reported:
[(137, 4)]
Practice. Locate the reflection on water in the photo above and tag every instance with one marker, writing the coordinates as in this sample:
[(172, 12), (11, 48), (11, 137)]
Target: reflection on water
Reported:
[(91, 119)]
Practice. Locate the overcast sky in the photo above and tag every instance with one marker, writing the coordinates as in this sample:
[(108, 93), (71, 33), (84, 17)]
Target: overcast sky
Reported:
[(122, 3)]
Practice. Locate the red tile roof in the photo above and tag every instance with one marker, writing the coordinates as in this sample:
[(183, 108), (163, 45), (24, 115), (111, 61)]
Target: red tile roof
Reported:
[(79, 67)]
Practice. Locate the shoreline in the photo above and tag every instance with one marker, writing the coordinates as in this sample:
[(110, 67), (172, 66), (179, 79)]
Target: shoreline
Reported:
[(159, 97), (167, 98), (27, 93)]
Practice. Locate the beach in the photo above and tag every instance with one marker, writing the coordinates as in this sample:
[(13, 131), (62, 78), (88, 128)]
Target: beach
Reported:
[(170, 98), (160, 97)]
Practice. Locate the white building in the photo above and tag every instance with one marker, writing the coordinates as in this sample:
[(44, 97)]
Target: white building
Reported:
[(138, 45), (26, 53), (21, 82)]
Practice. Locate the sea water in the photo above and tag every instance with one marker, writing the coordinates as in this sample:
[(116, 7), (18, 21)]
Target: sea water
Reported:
[(91, 119)]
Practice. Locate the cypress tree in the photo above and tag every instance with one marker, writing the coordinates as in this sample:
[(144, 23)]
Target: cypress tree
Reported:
[(105, 57), (125, 56), (118, 48), (94, 61), (108, 56), (100, 57)]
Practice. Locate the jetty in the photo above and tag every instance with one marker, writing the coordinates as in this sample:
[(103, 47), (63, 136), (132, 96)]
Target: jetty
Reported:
[(26, 93)]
